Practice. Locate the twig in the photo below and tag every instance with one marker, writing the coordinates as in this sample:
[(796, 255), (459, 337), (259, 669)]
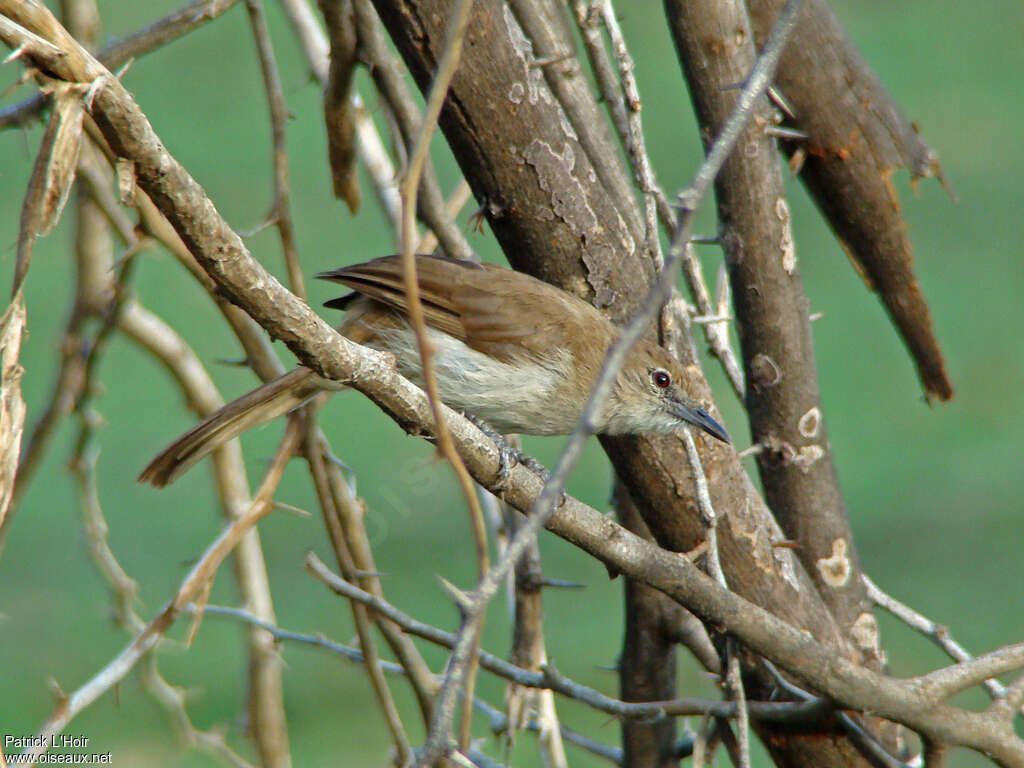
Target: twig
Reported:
[(123, 590), (499, 722), (369, 145), (194, 583), (332, 504), (265, 689), (710, 519), (545, 506), (459, 197), (12, 403), (1012, 704), (623, 99), (938, 633), (408, 188), (173, 699), (636, 149), (949, 681), (859, 736), (95, 297), (550, 678), (528, 648), (388, 76), (166, 30), (244, 281), (280, 210)]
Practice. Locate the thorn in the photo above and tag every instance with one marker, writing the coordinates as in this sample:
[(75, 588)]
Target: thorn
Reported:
[(796, 162), (370, 574), (462, 598), (241, 363), (20, 81), (339, 463), (17, 53), (786, 544), (58, 693), (561, 584), (124, 68), (268, 222), (782, 132), (709, 319), (781, 102), (294, 510), (753, 450), (549, 670), (94, 88), (548, 60), (706, 240), (697, 552)]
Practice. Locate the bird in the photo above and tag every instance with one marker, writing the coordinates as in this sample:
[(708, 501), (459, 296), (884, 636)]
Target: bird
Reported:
[(510, 351)]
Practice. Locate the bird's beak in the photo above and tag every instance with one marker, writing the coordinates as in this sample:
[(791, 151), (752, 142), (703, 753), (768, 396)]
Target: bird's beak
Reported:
[(701, 418)]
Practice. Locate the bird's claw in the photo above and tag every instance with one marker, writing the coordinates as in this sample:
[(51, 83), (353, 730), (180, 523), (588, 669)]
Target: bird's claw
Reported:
[(508, 457)]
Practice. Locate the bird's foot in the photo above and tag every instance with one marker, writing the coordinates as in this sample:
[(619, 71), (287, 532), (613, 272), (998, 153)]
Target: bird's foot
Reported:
[(509, 456)]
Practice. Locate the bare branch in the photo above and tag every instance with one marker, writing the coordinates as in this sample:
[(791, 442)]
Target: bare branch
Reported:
[(927, 627), (119, 52), (222, 254), (388, 78), (280, 209), (195, 582), (369, 146), (624, 104), (858, 139), (266, 697), (409, 188), (340, 110), (549, 677), (545, 507), (12, 404), (783, 396)]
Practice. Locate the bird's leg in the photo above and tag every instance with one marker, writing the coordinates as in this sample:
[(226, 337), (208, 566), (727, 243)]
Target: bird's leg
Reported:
[(509, 456)]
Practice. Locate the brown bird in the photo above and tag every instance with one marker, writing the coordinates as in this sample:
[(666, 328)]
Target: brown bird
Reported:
[(510, 350)]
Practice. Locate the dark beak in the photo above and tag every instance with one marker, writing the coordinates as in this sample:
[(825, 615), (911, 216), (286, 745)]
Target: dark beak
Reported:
[(701, 418)]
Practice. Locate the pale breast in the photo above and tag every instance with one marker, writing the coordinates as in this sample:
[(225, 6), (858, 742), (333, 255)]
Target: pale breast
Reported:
[(521, 398)]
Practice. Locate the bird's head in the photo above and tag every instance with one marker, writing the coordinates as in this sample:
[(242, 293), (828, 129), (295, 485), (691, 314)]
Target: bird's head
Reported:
[(649, 397)]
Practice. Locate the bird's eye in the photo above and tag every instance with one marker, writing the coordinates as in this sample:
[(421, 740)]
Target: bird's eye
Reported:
[(661, 378)]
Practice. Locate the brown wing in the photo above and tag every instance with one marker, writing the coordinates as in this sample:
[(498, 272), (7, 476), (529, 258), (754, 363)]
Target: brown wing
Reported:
[(381, 280), (495, 310)]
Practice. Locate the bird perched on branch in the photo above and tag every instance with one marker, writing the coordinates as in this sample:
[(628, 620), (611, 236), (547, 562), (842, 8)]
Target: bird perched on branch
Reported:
[(510, 350)]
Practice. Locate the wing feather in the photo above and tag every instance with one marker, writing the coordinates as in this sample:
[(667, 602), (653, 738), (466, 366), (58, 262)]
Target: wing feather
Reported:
[(497, 311)]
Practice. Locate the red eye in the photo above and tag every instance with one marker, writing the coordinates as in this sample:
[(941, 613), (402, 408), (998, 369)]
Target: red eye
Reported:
[(661, 378)]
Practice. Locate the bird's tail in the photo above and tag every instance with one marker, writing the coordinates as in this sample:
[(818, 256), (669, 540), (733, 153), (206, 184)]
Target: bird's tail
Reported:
[(273, 399)]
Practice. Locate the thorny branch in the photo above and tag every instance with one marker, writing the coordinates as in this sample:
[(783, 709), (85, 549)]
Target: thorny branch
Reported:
[(409, 189), (194, 585), (549, 678), (623, 99), (499, 722), (546, 505)]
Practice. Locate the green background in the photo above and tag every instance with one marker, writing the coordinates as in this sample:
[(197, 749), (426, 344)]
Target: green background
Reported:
[(933, 492)]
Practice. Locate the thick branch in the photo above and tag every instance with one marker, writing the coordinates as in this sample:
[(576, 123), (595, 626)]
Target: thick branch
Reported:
[(858, 139), (783, 398)]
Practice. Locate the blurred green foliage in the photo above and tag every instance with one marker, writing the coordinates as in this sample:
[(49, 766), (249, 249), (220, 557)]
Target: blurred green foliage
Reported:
[(933, 493)]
